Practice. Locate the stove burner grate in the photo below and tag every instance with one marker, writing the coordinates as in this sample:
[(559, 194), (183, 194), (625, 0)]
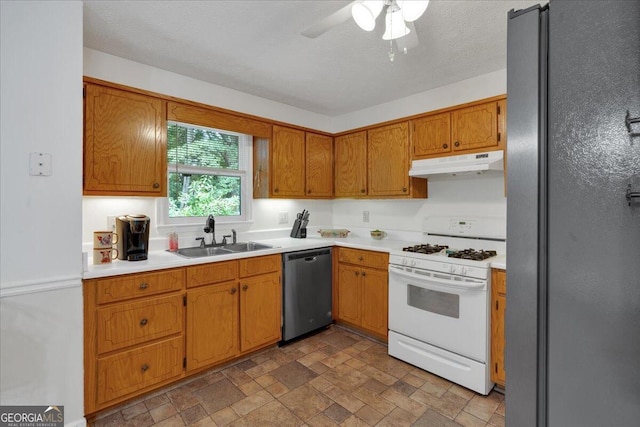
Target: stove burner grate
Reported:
[(473, 254), (425, 249)]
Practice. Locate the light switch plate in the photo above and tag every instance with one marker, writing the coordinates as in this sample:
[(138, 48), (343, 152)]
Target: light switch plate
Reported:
[(283, 217), (40, 164)]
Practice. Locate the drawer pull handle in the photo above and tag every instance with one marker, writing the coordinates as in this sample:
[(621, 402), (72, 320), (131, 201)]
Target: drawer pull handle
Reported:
[(245, 287), (145, 368), (143, 322), (233, 291), (143, 286)]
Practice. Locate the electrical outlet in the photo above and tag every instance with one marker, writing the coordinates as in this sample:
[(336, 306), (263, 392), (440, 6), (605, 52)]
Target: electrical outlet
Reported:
[(283, 217), (365, 216)]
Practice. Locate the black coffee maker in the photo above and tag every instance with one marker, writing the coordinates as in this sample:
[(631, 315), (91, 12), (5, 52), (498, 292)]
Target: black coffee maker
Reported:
[(133, 237)]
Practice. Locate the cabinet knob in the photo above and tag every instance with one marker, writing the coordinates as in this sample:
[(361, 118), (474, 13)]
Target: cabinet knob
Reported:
[(308, 191), (445, 145), (143, 322), (364, 274), (245, 287), (457, 144), (144, 368), (360, 258), (143, 286), (233, 291), (404, 189), (156, 185), (275, 190), (357, 273), (362, 191)]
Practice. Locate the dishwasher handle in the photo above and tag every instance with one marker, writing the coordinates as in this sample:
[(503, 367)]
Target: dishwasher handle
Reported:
[(308, 256)]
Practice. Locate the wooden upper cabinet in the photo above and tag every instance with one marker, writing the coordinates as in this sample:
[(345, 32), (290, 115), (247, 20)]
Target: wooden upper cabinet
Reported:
[(475, 127), (125, 143), (351, 165), (287, 162), (319, 166), (388, 160), (431, 135)]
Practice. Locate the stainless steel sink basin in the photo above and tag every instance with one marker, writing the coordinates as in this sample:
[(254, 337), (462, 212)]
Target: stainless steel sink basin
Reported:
[(246, 247), (198, 252)]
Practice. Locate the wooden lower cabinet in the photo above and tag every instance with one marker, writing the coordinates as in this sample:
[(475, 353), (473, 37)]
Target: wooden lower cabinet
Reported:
[(212, 325), (134, 335), (363, 290), (498, 306), (260, 311), (146, 330)]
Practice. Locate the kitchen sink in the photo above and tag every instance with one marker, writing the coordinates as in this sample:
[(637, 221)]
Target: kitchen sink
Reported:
[(246, 247), (198, 252)]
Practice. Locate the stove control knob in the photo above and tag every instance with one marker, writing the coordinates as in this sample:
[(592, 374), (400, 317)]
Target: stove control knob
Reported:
[(463, 271), (404, 261), (413, 263), (452, 269)]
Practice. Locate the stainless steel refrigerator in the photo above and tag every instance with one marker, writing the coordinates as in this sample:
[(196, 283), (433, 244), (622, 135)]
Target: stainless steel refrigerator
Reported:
[(573, 215)]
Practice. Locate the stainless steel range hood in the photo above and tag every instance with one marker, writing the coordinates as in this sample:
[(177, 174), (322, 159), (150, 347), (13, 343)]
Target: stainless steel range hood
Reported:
[(462, 165)]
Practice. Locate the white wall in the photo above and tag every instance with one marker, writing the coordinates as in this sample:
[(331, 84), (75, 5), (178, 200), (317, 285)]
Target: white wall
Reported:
[(40, 263)]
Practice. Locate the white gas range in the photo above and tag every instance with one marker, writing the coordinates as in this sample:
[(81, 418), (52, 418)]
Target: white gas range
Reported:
[(439, 297)]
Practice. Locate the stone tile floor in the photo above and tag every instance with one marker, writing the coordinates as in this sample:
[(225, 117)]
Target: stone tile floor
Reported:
[(334, 378)]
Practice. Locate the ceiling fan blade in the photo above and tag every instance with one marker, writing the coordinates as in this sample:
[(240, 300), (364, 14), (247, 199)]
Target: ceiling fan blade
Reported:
[(409, 41), (336, 18)]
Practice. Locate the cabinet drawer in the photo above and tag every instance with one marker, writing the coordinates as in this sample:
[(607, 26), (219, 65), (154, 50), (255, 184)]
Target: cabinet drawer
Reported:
[(211, 273), (364, 258), (124, 325), (259, 265), (129, 371), (499, 281), (138, 285)]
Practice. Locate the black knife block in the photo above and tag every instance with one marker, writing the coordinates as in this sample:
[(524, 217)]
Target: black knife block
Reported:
[(298, 231)]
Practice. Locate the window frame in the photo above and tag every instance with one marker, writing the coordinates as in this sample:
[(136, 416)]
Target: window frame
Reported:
[(244, 172)]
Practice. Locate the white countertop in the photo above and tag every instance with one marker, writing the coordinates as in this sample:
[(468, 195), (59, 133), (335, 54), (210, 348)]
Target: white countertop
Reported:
[(159, 260)]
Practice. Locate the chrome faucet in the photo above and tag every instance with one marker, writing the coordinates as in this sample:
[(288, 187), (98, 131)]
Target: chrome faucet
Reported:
[(232, 235), (210, 227)]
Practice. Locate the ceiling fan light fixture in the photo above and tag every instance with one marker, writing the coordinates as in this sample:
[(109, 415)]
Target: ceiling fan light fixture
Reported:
[(394, 25), (366, 12), (412, 9)]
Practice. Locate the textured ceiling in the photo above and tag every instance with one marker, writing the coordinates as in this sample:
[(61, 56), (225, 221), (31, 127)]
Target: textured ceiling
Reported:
[(256, 47)]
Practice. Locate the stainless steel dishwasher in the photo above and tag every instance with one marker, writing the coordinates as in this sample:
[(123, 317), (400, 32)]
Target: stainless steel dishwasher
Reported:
[(306, 291)]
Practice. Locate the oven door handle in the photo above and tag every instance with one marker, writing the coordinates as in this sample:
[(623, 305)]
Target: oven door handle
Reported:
[(447, 283)]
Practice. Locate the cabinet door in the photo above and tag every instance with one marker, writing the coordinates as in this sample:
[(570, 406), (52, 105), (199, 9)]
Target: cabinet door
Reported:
[(351, 165), (388, 160), (475, 127), (287, 162), (260, 311), (212, 324), (319, 177), (375, 301), (349, 291), (431, 135), (125, 143), (498, 309)]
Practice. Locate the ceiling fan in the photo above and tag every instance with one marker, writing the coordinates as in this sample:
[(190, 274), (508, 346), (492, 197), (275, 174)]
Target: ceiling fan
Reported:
[(398, 19)]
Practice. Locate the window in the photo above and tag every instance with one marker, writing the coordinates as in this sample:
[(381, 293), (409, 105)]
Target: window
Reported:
[(207, 173)]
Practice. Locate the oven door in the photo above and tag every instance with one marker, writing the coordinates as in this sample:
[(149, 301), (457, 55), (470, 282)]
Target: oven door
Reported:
[(447, 311)]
